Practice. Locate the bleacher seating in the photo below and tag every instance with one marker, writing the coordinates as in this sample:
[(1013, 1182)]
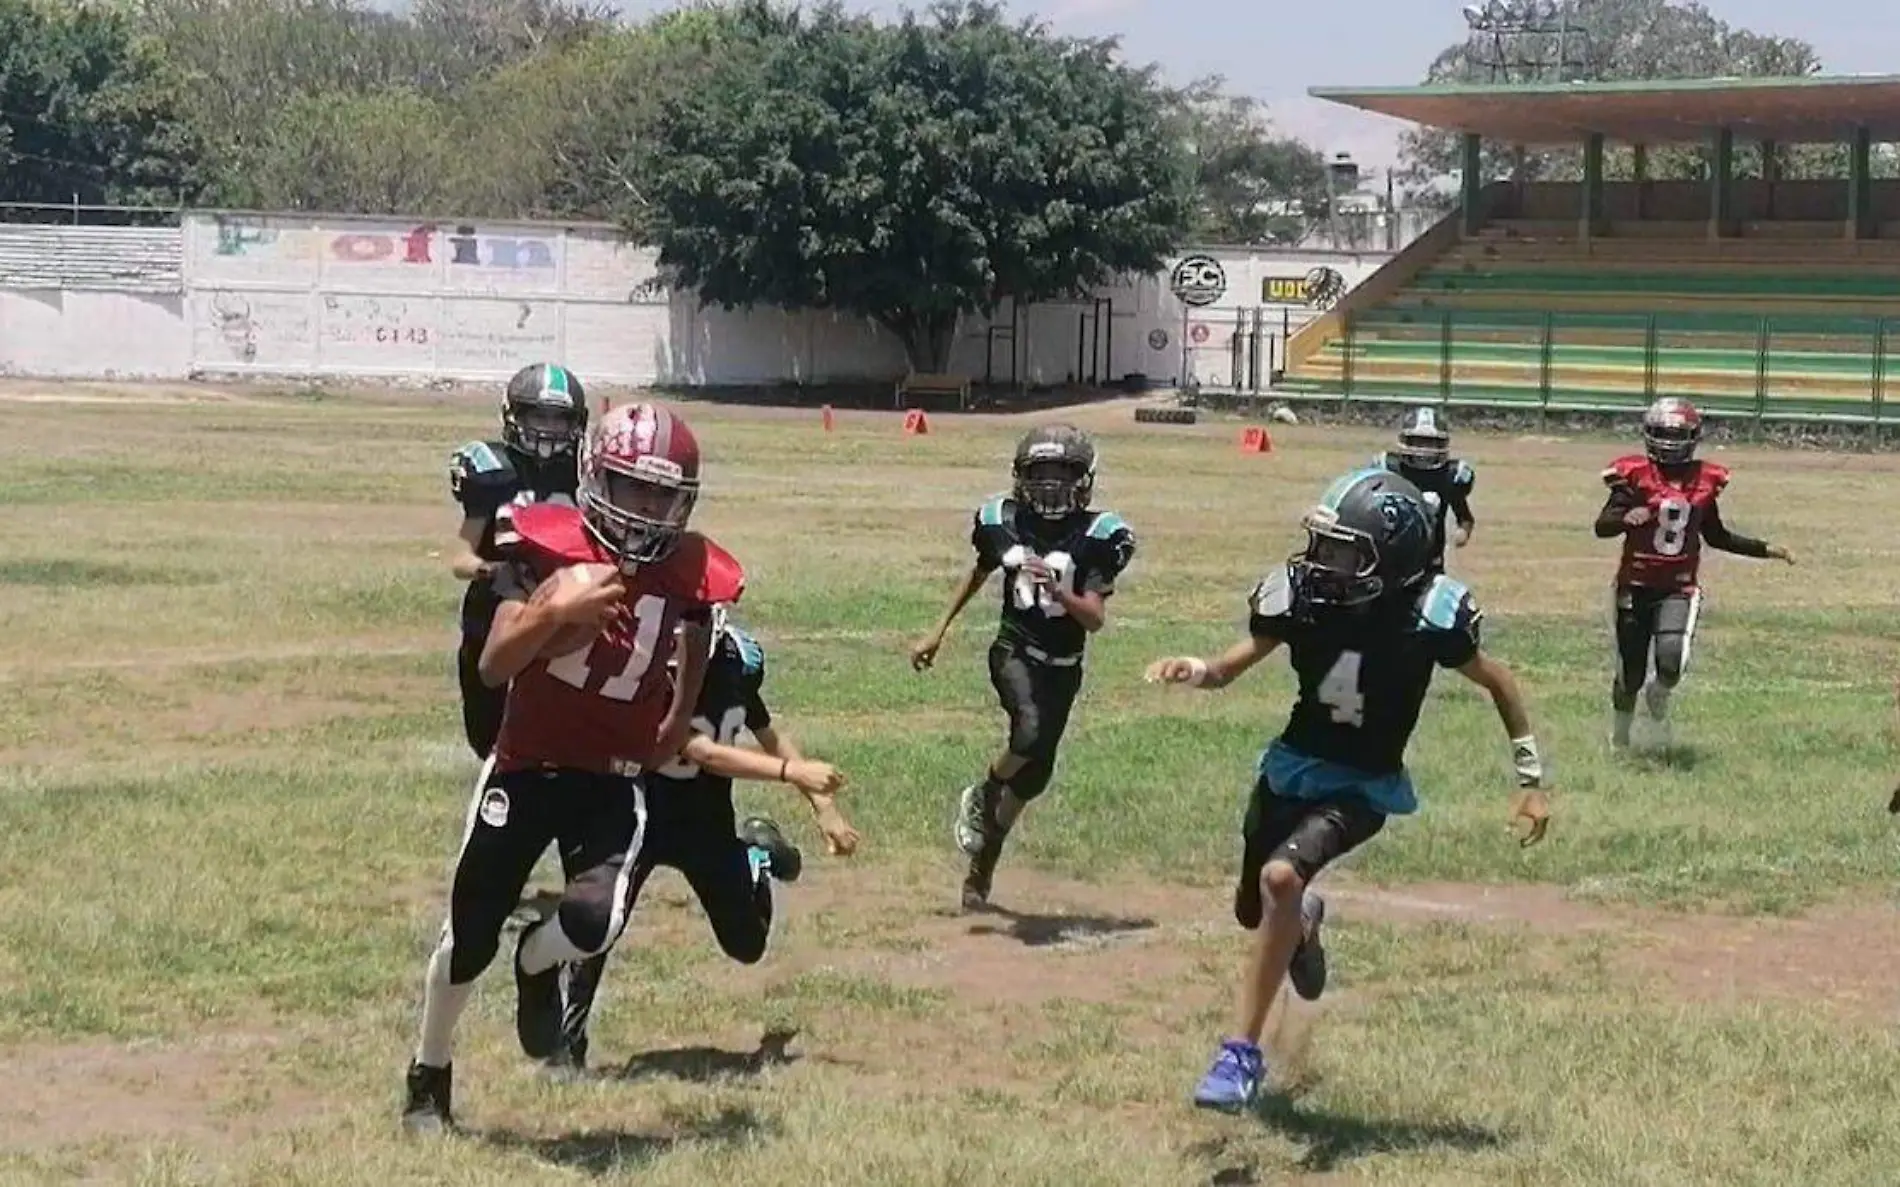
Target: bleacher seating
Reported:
[(1788, 320)]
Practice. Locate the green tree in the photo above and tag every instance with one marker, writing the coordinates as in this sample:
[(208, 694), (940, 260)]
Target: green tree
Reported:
[(910, 173), (385, 152), (1612, 40), (87, 108), (1252, 185)]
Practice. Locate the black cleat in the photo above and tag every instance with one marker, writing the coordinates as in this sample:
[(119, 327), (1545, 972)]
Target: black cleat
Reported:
[(539, 1006), (428, 1109), (782, 858), (982, 872), (1307, 971)]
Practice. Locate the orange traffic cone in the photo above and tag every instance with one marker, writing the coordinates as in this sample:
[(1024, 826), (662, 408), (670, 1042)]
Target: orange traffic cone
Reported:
[(1254, 439), (915, 425)]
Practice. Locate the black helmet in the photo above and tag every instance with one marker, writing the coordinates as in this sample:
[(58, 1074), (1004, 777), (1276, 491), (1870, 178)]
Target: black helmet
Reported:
[(1054, 470), (1425, 438), (1369, 535), (543, 411)]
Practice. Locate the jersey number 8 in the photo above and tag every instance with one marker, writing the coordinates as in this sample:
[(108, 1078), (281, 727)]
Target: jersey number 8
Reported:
[(1024, 591), (1672, 527)]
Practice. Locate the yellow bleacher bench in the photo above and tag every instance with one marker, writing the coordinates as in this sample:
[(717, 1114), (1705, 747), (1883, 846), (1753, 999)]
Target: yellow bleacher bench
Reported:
[(924, 384)]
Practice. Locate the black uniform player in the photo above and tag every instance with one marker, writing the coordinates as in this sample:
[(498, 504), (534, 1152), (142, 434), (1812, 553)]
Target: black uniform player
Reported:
[(1424, 459), (691, 825), (1366, 625), (1059, 560), (543, 414)]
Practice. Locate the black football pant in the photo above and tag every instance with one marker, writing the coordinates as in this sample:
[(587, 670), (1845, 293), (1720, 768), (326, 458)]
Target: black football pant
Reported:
[(597, 821), (1037, 696), (695, 833), (1309, 835), (481, 705), (1658, 622)]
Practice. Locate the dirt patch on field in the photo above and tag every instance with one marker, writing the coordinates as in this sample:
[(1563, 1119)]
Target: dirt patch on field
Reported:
[(210, 1093)]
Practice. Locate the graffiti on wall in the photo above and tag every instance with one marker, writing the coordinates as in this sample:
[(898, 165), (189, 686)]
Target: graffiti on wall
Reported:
[(422, 245)]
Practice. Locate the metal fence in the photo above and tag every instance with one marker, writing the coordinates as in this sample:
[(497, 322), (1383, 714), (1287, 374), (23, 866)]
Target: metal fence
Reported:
[(1767, 368)]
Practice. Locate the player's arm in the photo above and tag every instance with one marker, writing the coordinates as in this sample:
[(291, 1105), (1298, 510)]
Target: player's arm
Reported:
[(464, 561), (1622, 510), (923, 653), (1718, 536), (1496, 679), (1088, 606), (1458, 501), (530, 615), (694, 650)]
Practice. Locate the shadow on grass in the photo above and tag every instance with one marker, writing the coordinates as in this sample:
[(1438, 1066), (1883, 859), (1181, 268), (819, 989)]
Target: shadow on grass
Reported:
[(1333, 1139), (607, 1151), (702, 1063), (1043, 931)]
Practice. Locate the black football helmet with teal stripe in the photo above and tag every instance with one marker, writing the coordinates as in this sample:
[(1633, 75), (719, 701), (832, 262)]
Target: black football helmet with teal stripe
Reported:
[(543, 411), (1054, 470), (1370, 535)]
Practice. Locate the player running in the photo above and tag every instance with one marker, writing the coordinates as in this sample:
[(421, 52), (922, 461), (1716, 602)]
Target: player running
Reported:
[(591, 600), (543, 415), (1664, 505), (1366, 625), (1424, 459), (1060, 561), (690, 813)]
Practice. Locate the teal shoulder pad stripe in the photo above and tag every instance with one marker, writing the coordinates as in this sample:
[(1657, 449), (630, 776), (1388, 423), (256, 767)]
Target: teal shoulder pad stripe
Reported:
[(1442, 600), (1106, 524), (991, 514)]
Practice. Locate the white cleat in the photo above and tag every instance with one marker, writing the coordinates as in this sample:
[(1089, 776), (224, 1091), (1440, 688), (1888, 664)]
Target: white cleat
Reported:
[(969, 822)]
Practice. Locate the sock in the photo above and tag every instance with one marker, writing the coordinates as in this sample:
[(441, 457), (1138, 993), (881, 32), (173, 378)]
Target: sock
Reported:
[(547, 945), (442, 1006), (1620, 730)]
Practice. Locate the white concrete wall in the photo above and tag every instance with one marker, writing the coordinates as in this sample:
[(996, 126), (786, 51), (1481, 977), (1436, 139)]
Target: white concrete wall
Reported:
[(320, 295)]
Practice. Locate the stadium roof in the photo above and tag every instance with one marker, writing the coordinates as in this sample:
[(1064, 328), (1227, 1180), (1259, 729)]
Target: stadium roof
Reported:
[(1815, 109)]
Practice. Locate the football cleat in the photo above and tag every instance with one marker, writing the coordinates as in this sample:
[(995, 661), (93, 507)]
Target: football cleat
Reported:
[(428, 1107), (1307, 971), (771, 853), (1233, 1082), (982, 872), (972, 822), (540, 1007), (1620, 729)]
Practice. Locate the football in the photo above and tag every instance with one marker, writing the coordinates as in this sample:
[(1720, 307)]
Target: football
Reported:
[(570, 639)]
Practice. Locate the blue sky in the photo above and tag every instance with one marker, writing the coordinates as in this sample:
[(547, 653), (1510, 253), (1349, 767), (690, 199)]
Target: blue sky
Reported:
[(1275, 49)]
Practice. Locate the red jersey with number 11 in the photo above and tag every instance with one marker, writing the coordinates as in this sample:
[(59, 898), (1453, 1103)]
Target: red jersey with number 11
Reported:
[(600, 708), (1666, 552)]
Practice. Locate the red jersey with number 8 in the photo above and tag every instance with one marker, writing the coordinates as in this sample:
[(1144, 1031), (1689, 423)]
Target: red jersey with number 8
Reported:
[(600, 708), (1666, 552)]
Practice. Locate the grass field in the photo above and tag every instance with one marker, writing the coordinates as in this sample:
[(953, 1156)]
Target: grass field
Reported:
[(233, 782)]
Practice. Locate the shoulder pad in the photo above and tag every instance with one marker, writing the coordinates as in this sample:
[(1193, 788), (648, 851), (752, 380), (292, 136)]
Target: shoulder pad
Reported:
[(480, 458), (699, 571), (1462, 474), (551, 536), (1447, 604), (1383, 460), (1273, 597), (1716, 475), (1623, 470), (994, 513), (1107, 525), (751, 654)]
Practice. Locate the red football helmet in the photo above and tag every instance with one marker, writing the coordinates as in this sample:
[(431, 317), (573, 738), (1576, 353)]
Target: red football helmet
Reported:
[(639, 479), (1671, 429)]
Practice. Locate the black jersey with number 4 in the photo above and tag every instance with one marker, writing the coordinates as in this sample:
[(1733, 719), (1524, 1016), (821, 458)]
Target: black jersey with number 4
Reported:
[(1363, 673), (488, 481), (731, 702), (1087, 550)]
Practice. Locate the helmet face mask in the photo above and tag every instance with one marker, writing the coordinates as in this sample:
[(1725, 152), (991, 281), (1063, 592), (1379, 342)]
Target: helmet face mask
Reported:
[(1054, 471), (1368, 538), (1424, 439), (1339, 566)]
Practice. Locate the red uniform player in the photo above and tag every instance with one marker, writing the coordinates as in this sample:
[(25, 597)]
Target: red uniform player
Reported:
[(580, 725), (1665, 505)]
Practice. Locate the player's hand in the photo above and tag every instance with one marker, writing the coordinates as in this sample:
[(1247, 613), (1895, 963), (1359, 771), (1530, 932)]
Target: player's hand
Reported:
[(841, 840), (1039, 571), (1777, 553), (1461, 537), (1636, 517), (584, 595), (813, 777), (923, 653), (1533, 810), (1176, 669)]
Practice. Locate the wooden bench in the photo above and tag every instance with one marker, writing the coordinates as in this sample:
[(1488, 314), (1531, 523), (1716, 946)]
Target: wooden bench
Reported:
[(926, 385)]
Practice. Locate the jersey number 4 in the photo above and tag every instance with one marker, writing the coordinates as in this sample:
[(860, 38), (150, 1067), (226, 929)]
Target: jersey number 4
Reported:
[(1026, 594), (1339, 691), (574, 668)]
